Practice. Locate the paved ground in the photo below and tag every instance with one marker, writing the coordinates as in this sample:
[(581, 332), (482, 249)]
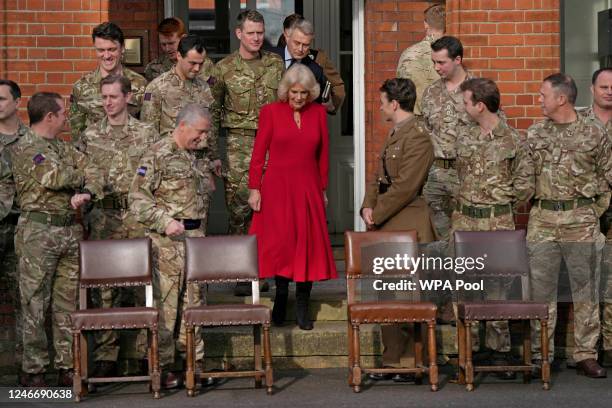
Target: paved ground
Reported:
[(328, 388)]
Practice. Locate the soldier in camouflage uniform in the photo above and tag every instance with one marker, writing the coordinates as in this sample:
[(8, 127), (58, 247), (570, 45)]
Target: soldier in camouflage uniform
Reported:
[(47, 172), (415, 62), (244, 82), (444, 114), (573, 169), (167, 94), (113, 147), (601, 111), (11, 129), (495, 173), (167, 197), (170, 32), (85, 100)]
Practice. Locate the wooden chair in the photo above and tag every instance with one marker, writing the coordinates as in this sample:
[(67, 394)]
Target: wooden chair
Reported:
[(226, 259), (385, 312), (114, 263), (506, 256)]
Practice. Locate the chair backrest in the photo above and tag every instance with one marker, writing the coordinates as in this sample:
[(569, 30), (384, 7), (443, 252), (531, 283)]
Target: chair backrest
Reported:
[(113, 263), (355, 242), (505, 252)]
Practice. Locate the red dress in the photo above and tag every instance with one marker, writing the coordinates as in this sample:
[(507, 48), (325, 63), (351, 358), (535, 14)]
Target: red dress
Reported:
[(291, 227)]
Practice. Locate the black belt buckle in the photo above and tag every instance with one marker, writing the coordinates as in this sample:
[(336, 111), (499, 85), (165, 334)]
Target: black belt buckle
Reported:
[(558, 206), (191, 224)]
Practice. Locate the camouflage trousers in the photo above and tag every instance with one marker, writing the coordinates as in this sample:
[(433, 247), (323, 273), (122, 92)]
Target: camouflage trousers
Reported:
[(239, 150), (116, 224), (8, 273), (497, 334), (169, 291), (48, 274), (606, 320), (440, 191), (572, 236)]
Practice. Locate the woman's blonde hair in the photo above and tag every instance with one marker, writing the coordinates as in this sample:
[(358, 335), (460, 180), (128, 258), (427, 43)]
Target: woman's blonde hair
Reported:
[(298, 74)]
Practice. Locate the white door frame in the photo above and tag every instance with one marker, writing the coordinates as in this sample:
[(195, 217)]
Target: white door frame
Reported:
[(359, 109)]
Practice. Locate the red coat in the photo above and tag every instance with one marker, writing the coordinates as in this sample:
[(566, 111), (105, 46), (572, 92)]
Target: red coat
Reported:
[(291, 227)]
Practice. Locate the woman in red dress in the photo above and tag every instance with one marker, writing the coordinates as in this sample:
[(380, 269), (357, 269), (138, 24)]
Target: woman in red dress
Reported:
[(289, 200)]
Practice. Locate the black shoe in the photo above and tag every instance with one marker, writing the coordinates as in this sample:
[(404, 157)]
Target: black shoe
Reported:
[(171, 380), (590, 368), (302, 297), (279, 310), (32, 380), (380, 376), (104, 368), (65, 378), (243, 289), (401, 378)]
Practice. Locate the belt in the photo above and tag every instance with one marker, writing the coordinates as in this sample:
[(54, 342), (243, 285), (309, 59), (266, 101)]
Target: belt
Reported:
[(112, 203), (11, 219), (484, 212), (189, 224), (444, 163), (564, 205), (51, 219)]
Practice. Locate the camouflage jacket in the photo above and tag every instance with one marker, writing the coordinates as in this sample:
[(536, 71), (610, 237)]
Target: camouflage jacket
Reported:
[(47, 173), (166, 95), (571, 161), (444, 115), (7, 186), (240, 92), (86, 100), (112, 157), (590, 114), (495, 168), (169, 183), (163, 64), (415, 64)]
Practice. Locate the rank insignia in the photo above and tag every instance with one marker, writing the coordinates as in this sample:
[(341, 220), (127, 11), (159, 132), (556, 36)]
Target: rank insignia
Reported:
[(147, 96), (38, 159), (142, 171)]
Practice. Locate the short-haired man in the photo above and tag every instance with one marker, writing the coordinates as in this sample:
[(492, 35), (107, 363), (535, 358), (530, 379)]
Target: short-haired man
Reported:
[(601, 110), (573, 169), (167, 196), (170, 32), (495, 173), (415, 62), (47, 172), (113, 147), (11, 129), (85, 100)]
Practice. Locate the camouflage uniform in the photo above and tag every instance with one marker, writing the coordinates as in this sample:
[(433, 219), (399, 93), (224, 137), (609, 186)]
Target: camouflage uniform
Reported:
[(170, 183), (47, 173), (163, 64), (113, 155), (164, 98), (86, 100), (572, 171), (415, 64), (606, 266), (444, 115), (8, 221), (495, 171), (240, 89)]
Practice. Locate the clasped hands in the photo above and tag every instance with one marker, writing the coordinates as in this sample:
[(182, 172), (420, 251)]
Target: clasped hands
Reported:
[(79, 199)]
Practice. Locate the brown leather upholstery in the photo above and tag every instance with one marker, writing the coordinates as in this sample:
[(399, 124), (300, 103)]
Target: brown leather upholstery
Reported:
[(115, 318), (391, 312), (502, 310), (115, 262), (354, 242), (506, 251), (224, 258), (227, 315)]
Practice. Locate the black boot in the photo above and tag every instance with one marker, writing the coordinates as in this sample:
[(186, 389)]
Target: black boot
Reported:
[(280, 301), (302, 297)]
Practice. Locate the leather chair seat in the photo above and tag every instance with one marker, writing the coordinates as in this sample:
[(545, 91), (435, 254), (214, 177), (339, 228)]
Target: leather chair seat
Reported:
[(115, 318), (227, 315), (392, 312), (502, 310)]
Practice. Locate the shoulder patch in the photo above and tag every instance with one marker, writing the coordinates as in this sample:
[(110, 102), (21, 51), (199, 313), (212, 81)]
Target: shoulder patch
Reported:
[(38, 159), (142, 171), (147, 96)]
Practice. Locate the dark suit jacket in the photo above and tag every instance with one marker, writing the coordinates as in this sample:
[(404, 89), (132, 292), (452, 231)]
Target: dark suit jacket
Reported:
[(308, 61), (409, 154)]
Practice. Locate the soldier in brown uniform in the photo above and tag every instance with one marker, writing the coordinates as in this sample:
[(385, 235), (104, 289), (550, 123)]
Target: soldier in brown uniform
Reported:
[(85, 100), (573, 169), (167, 197), (393, 201)]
